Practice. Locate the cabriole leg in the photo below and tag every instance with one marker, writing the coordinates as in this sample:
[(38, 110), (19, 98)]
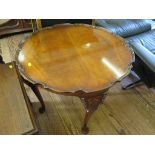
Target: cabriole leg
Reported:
[(37, 93), (91, 104)]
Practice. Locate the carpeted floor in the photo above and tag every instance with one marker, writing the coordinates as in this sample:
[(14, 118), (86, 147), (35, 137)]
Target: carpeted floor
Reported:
[(123, 112)]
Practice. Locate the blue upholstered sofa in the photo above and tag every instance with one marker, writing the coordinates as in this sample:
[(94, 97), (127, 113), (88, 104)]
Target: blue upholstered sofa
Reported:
[(141, 37)]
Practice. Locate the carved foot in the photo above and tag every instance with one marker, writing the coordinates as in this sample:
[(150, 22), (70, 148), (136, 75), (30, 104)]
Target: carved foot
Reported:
[(91, 104)]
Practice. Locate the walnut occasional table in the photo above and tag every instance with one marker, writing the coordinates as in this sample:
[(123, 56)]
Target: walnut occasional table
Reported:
[(76, 60)]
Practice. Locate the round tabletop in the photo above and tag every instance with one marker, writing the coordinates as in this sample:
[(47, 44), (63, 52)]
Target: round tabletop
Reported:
[(74, 57)]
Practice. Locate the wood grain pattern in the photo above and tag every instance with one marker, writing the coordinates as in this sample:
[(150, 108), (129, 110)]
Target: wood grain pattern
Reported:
[(69, 58), (124, 112), (15, 114)]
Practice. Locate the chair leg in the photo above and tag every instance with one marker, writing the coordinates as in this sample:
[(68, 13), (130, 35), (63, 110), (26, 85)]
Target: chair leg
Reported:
[(37, 93), (131, 85)]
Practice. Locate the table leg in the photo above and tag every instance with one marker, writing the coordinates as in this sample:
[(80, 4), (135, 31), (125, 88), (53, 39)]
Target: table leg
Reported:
[(91, 104), (37, 93)]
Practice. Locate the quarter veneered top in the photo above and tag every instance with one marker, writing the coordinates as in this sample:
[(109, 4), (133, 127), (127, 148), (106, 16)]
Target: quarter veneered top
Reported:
[(69, 58)]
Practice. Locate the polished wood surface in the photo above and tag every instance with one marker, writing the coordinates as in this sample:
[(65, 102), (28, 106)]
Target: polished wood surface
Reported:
[(71, 58), (75, 59), (15, 114), (124, 112)]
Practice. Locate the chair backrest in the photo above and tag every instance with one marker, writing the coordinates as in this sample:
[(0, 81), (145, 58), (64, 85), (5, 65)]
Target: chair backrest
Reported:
[(41, 23)]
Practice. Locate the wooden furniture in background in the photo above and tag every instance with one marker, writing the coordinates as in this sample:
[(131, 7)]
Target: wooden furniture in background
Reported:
[(15, 112), (12, 26), (76, 60)]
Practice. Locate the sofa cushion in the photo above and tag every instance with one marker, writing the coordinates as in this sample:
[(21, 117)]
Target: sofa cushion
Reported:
[(125, 27), (146, 39), (144, 54)]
